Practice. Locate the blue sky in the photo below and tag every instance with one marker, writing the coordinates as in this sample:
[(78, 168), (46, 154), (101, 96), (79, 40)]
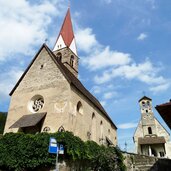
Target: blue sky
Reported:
[(124, 48)]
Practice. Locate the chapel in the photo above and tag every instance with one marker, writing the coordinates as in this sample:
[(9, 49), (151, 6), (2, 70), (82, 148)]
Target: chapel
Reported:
[(150, 137), (49, 97)]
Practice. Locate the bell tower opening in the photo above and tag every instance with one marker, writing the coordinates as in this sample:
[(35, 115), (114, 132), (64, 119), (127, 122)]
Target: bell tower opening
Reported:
[(149, 130), (72, 61)]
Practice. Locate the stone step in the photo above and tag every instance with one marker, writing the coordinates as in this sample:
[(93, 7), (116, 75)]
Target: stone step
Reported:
[(143, 168)]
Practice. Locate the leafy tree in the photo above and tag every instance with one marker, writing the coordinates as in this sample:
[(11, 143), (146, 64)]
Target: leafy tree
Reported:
[(3, 116)]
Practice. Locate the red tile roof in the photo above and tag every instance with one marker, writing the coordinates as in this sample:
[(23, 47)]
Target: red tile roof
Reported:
[(67, 30)]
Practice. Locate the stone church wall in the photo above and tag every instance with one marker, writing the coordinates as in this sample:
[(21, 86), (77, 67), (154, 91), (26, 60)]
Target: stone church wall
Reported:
[(168, 149), (161, 131), (45, 79), (138, 133), (82, 123)]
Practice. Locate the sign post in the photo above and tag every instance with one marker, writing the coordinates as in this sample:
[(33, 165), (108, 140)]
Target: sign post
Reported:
[(53, 149), (57, 169)]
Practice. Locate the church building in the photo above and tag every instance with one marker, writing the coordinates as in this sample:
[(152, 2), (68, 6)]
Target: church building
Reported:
[(50, 98), (150, 137)]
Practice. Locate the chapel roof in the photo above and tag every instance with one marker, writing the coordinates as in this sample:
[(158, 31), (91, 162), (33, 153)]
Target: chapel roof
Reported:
[(144, 98)]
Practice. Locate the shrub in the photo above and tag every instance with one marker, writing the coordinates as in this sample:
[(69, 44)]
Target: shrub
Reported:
[(19, 151)]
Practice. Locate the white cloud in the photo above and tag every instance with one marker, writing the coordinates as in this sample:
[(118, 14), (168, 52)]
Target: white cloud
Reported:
[(86, 40), (9, 80), (160, 88), (104, 57), (128, 125), (109, 95), (96, 89), (142, 36), (144, 72), (107, 1), (115, 64), (23, 25), (98, 56)]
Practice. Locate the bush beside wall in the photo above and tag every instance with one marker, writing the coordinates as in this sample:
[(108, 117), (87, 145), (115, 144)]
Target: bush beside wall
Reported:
[(22, 152)]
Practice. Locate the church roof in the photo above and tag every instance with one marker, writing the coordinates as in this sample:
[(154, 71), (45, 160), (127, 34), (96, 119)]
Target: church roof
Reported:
[(71, 79), (67, 30), (151, 140), (144, 98)]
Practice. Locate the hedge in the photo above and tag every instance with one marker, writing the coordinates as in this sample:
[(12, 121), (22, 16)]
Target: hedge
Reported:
[(21, 152)]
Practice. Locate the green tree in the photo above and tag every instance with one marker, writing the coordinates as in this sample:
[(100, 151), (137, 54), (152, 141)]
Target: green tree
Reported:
[(3, 116)]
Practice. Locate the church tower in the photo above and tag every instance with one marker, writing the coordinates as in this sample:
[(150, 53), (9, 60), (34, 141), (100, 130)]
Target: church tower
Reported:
[(147, 116), (65, 46), (150, 137)]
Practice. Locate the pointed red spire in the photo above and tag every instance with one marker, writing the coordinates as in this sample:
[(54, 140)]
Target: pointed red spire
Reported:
[(67, 30), (66, 35)]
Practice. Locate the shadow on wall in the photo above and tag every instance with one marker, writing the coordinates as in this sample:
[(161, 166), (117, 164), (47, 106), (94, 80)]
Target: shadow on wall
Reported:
[(161, 165)]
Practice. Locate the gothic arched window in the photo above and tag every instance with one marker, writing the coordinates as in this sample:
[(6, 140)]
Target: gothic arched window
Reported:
[(46, 129), (101, 129), (93, 127), (61, 129), (79, 107), (109, 133)]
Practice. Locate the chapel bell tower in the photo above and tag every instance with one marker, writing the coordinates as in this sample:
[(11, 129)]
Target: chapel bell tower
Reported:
[(65, 46), (147, 116)]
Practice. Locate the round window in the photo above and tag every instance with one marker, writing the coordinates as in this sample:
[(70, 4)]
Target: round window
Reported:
[(36, 103)]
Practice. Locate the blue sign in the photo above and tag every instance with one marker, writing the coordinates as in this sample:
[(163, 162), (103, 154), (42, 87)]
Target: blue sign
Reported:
[(61, 149), (53, 147)]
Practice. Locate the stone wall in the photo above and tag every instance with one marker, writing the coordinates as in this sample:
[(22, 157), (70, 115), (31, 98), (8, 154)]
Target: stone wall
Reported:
[(135, 162), (43, 78)]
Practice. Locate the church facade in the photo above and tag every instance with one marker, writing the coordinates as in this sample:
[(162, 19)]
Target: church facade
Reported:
[(150, 137), (49, 97)]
